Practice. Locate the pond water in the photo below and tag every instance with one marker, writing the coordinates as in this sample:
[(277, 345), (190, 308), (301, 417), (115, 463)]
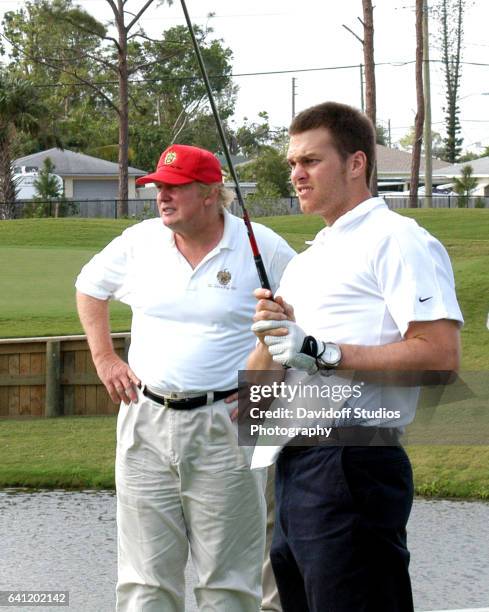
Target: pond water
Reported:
[(59, 540)]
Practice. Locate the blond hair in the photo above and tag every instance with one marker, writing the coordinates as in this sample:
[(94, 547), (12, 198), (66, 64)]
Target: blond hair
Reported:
[(224, 195)]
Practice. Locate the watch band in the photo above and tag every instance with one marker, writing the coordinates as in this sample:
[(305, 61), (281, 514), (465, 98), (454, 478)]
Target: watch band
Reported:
[(324, 365)]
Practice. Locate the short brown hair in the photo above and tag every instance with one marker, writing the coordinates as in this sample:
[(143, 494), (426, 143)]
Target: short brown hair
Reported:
[(350, 129)]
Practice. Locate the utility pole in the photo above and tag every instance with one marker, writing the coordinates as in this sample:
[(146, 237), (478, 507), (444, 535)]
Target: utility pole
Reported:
[(390, 133), (294, 93), (360, 40), (428, 155), (362, 100)]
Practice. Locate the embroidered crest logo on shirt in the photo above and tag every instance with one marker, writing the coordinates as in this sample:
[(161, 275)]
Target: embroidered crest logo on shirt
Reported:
[(170, 157), (224, 276)]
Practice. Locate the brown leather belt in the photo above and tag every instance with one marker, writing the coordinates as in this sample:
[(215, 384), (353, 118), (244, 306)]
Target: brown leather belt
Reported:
[(187, 403)]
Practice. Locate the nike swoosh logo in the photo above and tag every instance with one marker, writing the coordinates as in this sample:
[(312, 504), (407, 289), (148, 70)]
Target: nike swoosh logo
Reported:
[(309, 346), (425, 299)]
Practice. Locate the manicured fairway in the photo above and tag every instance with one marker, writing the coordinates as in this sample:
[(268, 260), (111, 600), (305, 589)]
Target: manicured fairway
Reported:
[(37, 292), (39, 262), (40, 258)]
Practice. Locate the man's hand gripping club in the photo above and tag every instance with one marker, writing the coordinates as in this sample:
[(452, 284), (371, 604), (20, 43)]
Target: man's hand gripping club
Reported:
[(287, 343)]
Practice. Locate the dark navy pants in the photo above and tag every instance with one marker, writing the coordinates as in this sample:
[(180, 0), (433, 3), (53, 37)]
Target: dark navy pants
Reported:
[(339, 543)]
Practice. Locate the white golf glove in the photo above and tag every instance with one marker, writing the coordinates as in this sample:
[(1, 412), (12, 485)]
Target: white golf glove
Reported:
[(286, 350)]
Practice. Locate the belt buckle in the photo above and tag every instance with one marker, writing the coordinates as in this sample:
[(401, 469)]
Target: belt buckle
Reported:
[(169, 398)]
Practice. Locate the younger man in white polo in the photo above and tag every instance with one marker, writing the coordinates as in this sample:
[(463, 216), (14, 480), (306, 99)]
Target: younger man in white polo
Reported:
[(182, 480), (373, 292)]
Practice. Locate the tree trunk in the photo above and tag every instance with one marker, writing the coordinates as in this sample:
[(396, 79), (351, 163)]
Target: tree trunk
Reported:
[(368, 54), (419, 120), (7, 187), (122, 205), (428, 150)]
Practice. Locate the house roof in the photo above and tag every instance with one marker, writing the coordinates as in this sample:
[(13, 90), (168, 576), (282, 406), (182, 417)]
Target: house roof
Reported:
[(389, 161), (236, 159), (480, 167), (69, 163), (394, 161)]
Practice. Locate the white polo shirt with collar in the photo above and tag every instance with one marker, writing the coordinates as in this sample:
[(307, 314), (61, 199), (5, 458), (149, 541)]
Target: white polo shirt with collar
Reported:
[(190, 327), (362, 281), (366, 277)]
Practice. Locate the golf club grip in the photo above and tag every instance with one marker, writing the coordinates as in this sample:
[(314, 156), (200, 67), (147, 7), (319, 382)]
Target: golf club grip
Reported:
[(260, 268)]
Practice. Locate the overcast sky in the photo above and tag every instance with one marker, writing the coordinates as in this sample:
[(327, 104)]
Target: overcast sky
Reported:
[(280, 35)]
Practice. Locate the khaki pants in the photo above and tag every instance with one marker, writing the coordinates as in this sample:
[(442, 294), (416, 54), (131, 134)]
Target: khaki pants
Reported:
[(271, 599), (183, 482)]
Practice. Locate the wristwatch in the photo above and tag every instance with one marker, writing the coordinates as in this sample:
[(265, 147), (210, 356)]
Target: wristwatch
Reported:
[(330, 357)]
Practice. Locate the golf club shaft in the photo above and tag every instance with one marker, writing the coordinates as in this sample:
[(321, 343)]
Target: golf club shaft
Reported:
[(254, 247)]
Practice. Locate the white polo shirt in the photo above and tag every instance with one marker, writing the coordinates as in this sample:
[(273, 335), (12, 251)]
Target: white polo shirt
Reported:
[(366, 277), (190, 327), (362, 281)]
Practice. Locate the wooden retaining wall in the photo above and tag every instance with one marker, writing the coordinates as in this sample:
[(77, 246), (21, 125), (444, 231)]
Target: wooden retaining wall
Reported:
[(54, 376)]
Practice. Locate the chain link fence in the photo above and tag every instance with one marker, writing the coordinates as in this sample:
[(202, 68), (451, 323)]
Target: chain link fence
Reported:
[(86, 209), (438, 201), (144, 209)]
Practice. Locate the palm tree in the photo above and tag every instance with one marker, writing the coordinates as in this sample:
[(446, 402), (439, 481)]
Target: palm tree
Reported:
[(20, 111)]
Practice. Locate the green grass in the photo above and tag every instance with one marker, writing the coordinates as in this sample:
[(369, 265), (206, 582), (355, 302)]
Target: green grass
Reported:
[(79, 453), (63, 233), (70, 452), (451, 471), (40, 259), (37, 292)]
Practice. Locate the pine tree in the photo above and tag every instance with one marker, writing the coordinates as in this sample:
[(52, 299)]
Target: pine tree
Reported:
[(48, 191), (450, 15)]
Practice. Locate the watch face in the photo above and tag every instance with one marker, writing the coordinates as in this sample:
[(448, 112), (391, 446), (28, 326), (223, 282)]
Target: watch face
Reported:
[(332, 354)]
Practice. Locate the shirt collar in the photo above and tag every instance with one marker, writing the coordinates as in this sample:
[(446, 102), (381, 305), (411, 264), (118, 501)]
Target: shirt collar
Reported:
[(228, 240), (350, 217)]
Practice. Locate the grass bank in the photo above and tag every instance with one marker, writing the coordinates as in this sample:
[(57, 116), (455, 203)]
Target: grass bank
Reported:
[(68, 452), (78, 453)]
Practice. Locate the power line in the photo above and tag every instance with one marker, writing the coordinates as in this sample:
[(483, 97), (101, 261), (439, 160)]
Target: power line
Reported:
[(240, 74)]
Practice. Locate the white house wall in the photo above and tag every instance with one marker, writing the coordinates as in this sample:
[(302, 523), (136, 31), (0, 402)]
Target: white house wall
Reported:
[(68, 184)]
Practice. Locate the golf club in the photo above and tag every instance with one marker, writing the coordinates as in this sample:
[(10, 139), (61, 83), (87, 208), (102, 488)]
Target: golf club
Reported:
[(254, 247)]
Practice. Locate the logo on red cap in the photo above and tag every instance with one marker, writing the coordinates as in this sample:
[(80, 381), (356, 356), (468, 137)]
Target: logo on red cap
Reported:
[(170, 157)]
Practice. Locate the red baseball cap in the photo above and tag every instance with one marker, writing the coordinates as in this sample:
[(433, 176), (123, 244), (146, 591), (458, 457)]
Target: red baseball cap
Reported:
[(180, 164)]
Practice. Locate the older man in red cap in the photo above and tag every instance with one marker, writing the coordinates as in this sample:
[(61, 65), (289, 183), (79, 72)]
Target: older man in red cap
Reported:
[(182, 480)]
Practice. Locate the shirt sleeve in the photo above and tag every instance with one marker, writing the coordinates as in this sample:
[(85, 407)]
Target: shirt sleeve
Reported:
[(103, 277), (415, 278)]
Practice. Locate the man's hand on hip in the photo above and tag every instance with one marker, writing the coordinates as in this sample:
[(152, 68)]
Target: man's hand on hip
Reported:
[(285, 340), (118, 378), (230, 399)]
